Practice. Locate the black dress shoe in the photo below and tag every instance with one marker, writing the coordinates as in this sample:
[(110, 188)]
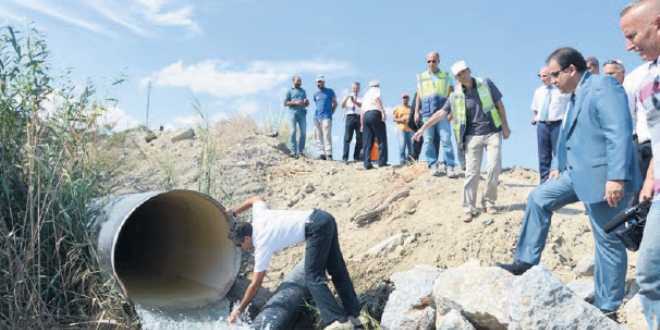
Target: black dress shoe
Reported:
[(370, 167), (518, 267), (384, 165), (322, 157), (610, 314)]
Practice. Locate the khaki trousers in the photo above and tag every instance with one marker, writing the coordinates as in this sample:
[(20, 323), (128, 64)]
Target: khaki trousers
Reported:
[(323, 136), (475, 145)]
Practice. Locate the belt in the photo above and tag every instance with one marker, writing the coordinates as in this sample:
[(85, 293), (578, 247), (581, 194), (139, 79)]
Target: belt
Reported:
[(371, 110), (550, 122), (352, 114)]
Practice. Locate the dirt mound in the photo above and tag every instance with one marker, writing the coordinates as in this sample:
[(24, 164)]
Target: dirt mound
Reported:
[(428, 217)]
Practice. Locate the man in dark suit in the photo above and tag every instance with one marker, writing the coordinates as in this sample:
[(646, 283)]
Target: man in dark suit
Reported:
[(596, 164)]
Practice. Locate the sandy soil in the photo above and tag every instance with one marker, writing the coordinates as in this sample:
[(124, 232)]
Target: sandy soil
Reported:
[(254, 164)]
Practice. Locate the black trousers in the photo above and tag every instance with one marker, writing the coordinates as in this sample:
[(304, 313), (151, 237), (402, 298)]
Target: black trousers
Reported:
[(352, 125), (374, 128), (322, 253), (644, 155)]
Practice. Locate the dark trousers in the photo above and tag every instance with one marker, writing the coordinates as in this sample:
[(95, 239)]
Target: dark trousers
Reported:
[(547, 135), (352, 125), (644, 155), (322, 253), (374, 128), (417, 147)]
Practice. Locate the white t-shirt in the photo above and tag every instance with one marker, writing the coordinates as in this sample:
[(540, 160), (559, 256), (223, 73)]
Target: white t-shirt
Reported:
[(369, 99), (557, 102), (350, 109), (273, 230), (632, 83)]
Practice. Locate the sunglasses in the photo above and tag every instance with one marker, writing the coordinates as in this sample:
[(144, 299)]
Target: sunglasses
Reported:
[(556, 73), (613, 62), (431, 61)]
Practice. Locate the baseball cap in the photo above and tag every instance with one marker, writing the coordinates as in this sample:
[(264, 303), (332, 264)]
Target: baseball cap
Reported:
[(458, 67), (374, 83), (320, 78), (406, 96)]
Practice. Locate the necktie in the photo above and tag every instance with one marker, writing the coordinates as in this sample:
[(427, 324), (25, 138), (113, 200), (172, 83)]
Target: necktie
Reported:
[(543, 116), (354, 99)]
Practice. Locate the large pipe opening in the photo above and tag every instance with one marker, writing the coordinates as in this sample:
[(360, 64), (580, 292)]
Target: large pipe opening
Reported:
[(172, 251)]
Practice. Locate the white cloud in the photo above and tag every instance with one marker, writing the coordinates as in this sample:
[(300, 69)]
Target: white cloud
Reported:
[(142, 17), (8, 15), (225, 80), (184, 121), (61, 14), (118, 119)]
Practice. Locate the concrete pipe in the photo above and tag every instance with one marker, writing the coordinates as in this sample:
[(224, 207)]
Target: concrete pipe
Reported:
[(167, 249)]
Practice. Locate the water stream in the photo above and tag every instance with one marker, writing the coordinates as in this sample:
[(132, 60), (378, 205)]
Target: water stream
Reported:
[(212, 316)]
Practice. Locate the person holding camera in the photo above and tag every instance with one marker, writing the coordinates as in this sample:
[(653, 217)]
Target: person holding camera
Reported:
[(640, 24)]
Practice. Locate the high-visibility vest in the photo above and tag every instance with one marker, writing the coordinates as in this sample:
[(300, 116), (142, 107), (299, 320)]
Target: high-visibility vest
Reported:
[(427, 85), (458, 108)]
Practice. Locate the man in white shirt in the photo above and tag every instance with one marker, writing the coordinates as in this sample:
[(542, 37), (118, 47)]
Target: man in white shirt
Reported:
[(273, 230), (548, 105), (640, 24), (631, 83), (351, 105)]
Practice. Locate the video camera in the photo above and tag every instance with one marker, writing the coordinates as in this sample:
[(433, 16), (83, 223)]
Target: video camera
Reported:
[(634, 219)]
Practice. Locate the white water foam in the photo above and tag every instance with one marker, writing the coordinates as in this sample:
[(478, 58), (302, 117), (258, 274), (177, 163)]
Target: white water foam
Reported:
[(213, 316)]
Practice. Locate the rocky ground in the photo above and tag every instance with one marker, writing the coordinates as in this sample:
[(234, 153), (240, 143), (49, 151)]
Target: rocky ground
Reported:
[(422, 227)]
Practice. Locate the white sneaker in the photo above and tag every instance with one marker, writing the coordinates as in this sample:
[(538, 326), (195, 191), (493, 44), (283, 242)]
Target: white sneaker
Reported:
[(451, 173), (434, 172), (336, 325)]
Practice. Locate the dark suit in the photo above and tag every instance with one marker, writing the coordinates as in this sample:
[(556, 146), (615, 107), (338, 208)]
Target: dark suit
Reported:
[(595, 145)]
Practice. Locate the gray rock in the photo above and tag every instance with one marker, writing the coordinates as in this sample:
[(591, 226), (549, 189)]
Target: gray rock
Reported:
[(384, 247), (309, 188), (453, 320), (487, 221), (633, 314), (539, 300), (481, 294), (409, 305), (585, 266), (187, 134), (584, 289)]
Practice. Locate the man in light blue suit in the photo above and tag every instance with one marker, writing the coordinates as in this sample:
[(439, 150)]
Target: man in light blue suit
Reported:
[(596, 164)]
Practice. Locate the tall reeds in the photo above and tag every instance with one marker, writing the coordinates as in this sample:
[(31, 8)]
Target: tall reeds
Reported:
[(49, 169)]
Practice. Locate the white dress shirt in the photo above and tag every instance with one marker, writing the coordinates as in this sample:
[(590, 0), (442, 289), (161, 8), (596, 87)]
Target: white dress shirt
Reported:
[(557, 102), (632, 83)]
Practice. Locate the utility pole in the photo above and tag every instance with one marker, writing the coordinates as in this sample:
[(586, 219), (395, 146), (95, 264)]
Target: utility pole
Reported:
[(146, 125)]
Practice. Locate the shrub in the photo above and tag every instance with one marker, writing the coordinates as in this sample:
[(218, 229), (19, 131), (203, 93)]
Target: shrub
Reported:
[(49, 170)]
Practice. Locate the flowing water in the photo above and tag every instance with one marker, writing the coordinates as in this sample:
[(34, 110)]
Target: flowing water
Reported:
[(212, 316)]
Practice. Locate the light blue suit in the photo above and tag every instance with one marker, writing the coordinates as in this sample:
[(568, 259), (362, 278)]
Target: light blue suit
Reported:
[(595, 145)]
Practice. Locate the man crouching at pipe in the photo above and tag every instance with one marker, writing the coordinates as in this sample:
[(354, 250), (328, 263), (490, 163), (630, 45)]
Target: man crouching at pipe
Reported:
[(273, 230)]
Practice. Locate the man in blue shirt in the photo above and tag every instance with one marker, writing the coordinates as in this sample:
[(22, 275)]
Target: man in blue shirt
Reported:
[(326, 103), (296, 100)]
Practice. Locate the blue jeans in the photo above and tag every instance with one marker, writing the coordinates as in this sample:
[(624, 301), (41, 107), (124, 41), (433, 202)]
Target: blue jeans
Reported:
[(611, 259), (444, 130), (298, 118), (405, 143), (648, 267)]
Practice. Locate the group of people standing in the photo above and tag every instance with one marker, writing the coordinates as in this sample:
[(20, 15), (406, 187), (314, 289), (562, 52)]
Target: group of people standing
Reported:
[(597, 134)]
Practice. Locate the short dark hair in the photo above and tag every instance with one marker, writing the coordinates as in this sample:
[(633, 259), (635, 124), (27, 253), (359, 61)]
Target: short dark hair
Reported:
[(239, 230), (566, 56)]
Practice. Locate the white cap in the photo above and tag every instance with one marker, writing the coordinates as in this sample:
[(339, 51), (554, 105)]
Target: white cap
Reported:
[(320, 78), (458, 67), (374, 83)]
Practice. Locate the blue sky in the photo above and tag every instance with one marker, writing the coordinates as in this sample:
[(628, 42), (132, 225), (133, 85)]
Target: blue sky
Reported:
[(240, 55)]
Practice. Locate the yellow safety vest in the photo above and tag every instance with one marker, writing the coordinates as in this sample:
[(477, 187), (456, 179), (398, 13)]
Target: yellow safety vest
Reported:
[(458, 108), (428, 86)]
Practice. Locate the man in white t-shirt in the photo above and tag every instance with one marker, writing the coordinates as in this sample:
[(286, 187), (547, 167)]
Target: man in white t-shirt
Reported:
[(548, 105), (273, 230)]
